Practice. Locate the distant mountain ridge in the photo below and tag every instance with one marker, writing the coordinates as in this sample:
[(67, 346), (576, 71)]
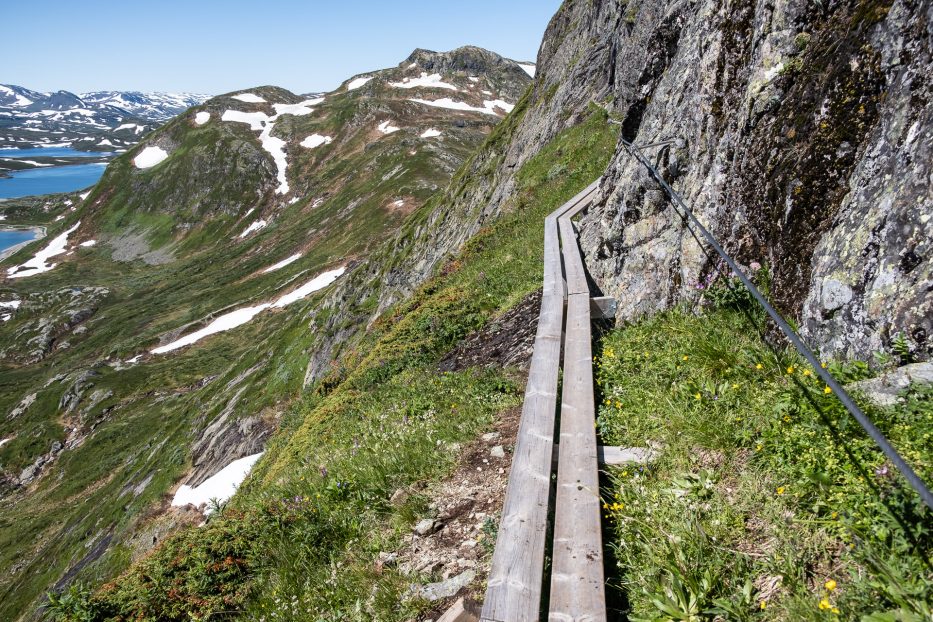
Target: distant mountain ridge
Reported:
[(95, 121)]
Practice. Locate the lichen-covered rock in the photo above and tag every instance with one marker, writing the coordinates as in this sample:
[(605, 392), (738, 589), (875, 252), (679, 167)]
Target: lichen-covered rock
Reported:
[(800, 136)]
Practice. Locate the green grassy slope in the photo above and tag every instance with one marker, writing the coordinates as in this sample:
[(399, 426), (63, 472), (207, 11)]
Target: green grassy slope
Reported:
[(767, 501), (301, 537), (98, 504)]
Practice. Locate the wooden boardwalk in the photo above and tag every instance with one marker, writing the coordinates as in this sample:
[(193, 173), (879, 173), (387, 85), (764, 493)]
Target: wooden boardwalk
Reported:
[(517, 579)]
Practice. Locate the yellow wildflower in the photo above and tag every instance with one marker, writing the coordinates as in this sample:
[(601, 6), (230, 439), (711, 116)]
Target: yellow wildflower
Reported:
[(686, 357), (758, 447), (827, 390), (830, 585), (698, 396), (759, 366), (735, 385), (835, 610), (824, 604), (806, 372), (823, 365), (780, 490), (763, 604), (790, 369)]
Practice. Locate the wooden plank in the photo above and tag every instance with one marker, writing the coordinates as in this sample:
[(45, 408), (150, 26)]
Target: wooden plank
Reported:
[(516, 577), (577, 581), (573, 261), (612, 455)]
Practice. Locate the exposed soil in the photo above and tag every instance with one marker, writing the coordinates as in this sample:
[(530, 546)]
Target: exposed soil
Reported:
[(463, 503), (505, 342)]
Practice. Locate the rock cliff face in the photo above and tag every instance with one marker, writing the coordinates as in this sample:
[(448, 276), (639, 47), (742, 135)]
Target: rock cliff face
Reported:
[(803, 142)]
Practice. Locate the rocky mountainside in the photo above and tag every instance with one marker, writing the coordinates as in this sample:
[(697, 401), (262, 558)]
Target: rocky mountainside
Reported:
[(102, 121), (799, 135), (160, 330)]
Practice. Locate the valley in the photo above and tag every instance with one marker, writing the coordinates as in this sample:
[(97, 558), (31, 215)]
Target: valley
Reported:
[(295, 356)]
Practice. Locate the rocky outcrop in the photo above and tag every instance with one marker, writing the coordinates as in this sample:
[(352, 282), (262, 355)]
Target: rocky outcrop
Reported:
[(802, 141), (45, 319)]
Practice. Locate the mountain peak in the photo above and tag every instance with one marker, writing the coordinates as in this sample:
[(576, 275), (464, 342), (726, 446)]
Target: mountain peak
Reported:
[(469, 59)]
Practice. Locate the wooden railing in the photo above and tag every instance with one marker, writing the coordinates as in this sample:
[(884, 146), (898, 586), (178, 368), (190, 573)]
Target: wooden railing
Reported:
[(516, 578)]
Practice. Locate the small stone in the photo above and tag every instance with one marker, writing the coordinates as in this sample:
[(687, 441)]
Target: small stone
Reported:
[(443, 589), (491, 436), (468, 544), (399, 497), (497, 452), (428, 526)]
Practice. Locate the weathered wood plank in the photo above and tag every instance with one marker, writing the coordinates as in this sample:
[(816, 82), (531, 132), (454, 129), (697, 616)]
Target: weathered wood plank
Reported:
[(516, 577), (612, 455), (573, 261), (577, 579)]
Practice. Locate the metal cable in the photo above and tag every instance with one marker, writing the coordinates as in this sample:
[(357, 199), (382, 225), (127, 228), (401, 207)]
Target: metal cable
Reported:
[(912, 478)]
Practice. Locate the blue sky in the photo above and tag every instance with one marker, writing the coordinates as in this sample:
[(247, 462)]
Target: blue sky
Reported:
[(213, 46)]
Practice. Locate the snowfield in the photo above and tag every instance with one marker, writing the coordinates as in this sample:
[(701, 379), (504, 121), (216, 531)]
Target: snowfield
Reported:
[(299, 110), (223, 323), (38, 263), (279, 265), (241, 316), (432, 81), (256, 226), (386, 127), (219, 487), (264, 124), (489, 107), (149, 157), (319, 282), (358, 82), (256, 120), (202, 117), (249, 98), (316, 140)]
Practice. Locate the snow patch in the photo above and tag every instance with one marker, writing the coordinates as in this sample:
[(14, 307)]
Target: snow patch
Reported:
[(149, 157), (529, 68), (489, 107), (249, 98), (432, 81), (239, 317), (256, 120), (358, 82), (202, 117), (88, 244), (256, 226), (5, 441), (219, 487), (282, 263), (386, 127), (38, 263), (319, 282), (316, 140), (431, 133), (84, 195), (223, 323), (300, 109)]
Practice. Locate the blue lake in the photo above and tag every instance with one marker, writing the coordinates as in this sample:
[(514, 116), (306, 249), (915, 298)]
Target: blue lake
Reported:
[(12, 238), (50, 152), (50, 179)]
